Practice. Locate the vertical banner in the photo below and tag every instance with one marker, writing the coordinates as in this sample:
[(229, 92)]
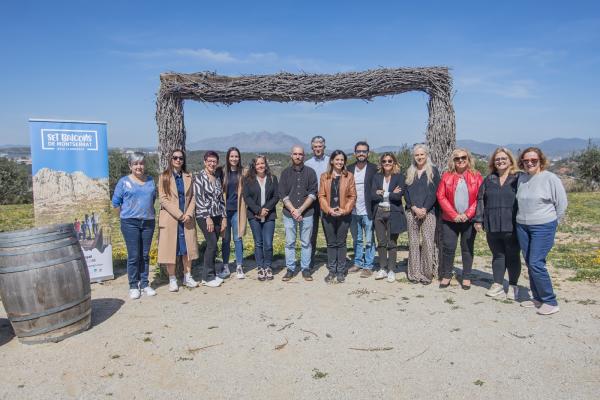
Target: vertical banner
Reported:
[(70, 185)]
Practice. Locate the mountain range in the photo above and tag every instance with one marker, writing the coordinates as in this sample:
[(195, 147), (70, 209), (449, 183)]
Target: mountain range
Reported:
[(280, 142), (254, 142)]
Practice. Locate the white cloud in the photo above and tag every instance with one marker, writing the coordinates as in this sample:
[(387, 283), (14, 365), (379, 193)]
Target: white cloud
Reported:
[(500, 83), (270, 60)]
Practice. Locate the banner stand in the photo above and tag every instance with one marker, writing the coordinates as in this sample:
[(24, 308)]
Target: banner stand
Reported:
[(70, 185)]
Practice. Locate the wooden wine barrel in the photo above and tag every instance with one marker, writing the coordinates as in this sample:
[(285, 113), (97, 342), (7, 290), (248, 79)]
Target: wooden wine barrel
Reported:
[(44, 283)]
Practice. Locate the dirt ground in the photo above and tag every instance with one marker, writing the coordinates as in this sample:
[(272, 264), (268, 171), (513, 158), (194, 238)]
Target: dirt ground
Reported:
[(357, 340)]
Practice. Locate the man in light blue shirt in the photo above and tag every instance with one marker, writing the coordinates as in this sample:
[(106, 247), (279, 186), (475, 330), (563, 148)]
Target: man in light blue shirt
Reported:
[(319, 162)]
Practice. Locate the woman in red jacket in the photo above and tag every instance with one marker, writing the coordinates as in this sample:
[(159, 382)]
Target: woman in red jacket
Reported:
[(457, 196)]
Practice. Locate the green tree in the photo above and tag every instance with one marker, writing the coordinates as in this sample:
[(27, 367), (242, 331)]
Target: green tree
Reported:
[(404, 158), (118, 166), (15, 185), (589, 165)]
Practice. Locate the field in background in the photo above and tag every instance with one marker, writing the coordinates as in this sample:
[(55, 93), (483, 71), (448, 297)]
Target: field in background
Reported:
[(577, 242)]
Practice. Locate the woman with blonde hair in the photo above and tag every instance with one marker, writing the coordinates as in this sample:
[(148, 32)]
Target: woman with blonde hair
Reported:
[(176, 224), (337, 197), (422, 179), (457, 196), (496, 213), (389, 220)]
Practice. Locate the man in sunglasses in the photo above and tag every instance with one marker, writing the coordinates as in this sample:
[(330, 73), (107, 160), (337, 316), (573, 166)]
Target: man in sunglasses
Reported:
[(361, 226)]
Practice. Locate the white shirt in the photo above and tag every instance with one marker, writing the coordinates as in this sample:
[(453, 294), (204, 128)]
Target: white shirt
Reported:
[(386, 193), (319, 165), (359, 180)]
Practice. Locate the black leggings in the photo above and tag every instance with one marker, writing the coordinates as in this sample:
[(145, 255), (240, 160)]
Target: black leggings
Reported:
[(505, 256), (209, 271), (450, 233), (336, 232)]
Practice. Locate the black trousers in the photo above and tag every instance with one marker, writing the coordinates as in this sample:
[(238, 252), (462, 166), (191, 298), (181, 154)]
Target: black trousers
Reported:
[(387, 242), (336, 232), (315, 231), (450, 233), (208, 266), (505, 256)]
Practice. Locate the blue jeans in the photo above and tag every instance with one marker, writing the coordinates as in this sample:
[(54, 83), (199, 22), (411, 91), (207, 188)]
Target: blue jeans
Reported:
[(361, 229), (232, 228), (137, 234), (263, 232), (291, 226), (536, 241)]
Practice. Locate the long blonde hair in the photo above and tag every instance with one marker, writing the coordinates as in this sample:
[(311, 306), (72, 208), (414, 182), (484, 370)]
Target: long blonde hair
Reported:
[(470, 160), (412, 171)]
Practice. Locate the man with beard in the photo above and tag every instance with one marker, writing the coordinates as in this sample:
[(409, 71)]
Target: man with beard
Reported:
[(361, 226)]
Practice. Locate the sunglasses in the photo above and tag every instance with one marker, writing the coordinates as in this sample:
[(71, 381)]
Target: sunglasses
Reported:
[(462, 158), (532, 161), (361, 151), (177, 158), (387, 161)]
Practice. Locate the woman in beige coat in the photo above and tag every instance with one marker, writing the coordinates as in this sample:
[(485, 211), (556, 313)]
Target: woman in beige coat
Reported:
[(176, 224)]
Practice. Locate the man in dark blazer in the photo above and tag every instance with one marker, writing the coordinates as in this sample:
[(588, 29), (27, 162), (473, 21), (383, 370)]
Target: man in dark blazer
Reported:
[(362, 215)]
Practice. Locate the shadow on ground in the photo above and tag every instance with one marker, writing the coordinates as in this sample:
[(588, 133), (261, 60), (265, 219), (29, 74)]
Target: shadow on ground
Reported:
[(103, 309), (6, 331)]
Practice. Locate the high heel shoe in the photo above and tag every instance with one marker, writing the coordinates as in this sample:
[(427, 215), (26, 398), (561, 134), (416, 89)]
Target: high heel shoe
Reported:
[(444, 285)]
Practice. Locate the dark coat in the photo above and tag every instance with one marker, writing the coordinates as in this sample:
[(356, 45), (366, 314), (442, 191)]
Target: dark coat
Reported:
[(370, 173), (496, 204), (397, 216), (251, 193)]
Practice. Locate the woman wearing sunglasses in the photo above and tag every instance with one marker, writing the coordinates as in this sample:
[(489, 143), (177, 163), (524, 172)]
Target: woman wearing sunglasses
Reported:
[(457, 197), (389, 220), (542, 204), (496, 213), (176, 225)]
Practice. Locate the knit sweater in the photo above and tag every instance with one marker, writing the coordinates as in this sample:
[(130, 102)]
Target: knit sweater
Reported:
[(542, 198)]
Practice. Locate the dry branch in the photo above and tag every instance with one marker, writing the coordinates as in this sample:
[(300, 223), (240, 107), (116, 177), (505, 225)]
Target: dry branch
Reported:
[(284, 87)]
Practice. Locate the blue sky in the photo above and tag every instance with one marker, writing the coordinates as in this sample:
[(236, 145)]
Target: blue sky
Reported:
[(524, 71)]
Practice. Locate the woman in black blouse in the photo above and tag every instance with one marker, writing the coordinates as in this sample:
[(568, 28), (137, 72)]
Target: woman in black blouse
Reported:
[(210, 215), (261, 197), (422, 179), (497, 210)]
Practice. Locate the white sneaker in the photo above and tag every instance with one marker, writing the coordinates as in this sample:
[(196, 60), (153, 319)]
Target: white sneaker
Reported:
[(240, 272), (173, 285), (381, 274), (513, 292), (134, 294), (531, 303), (213, 283), (224, 274), (148, 291), (547, 309), (495, 290), (391, 277), (189, 281), (219, 279)]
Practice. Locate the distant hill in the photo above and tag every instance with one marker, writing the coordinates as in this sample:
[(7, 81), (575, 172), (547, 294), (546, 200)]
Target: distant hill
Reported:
[(554, 148), (250, 142)]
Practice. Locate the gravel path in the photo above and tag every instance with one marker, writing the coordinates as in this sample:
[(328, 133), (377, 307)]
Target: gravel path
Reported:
[(360, 339)]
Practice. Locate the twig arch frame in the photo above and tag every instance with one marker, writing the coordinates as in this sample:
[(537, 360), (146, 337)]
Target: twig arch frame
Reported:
[(208, 87)]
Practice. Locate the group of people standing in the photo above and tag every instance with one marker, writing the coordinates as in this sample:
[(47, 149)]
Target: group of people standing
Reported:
[(518, 205)]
